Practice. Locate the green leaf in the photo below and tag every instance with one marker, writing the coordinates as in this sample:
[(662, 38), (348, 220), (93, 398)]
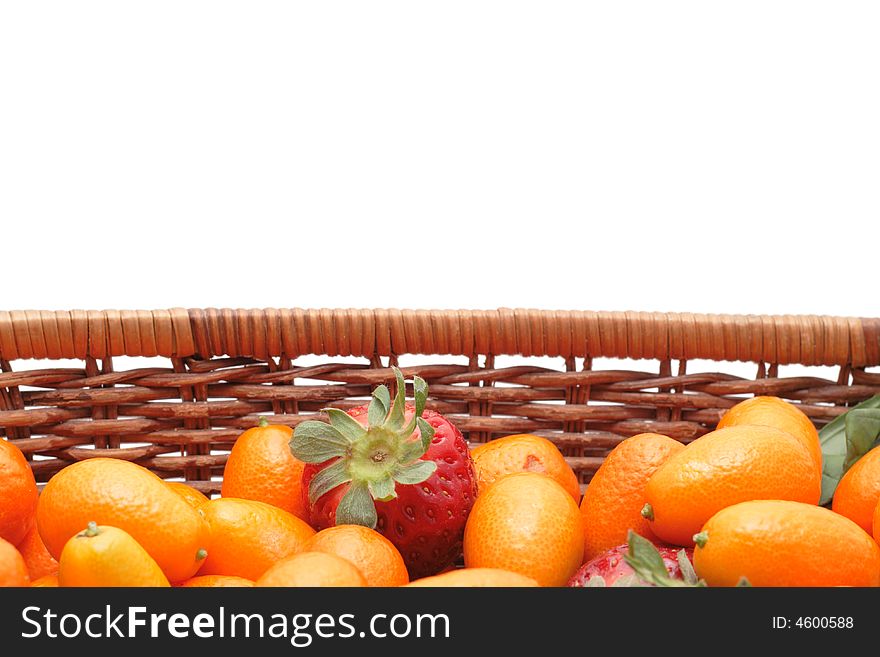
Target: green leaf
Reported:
[(379, 405), (427, 433), (862, 430), (688, 574), (316, 442), (414, 473), (645, 554), (420, 392), (833, 439), (345, 424), (383, 489), (411, 450), (327, 479), (382, 394), (398, 408), (629, 581), (644, 558), (357, 507)]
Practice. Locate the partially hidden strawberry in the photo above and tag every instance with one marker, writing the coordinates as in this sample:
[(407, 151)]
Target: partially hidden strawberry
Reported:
[(394, 467), (637, 563)]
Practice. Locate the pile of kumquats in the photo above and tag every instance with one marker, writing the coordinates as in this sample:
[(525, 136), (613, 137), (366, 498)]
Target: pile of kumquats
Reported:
[(391, 494)]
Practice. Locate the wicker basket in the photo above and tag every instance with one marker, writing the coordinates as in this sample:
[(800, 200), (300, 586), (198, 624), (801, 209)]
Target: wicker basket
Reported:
[(228, 367)]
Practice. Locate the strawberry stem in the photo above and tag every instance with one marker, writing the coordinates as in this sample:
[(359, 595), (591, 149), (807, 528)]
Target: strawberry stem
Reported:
[(372, 460)]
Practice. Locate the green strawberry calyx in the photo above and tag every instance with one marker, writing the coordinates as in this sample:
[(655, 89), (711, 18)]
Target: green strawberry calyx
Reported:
[(371, 459), (644, 558)]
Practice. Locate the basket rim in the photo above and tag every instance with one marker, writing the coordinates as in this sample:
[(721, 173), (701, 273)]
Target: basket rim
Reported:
[(388, 332)]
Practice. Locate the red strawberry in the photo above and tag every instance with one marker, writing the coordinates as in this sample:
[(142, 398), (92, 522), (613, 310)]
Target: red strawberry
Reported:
[(397, 468), (612, 568)]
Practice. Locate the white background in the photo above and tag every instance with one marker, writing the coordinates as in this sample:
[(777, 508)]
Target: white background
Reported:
[(700, 156)]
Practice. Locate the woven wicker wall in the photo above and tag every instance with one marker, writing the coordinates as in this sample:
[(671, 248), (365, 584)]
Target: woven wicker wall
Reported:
[(224, 368)]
